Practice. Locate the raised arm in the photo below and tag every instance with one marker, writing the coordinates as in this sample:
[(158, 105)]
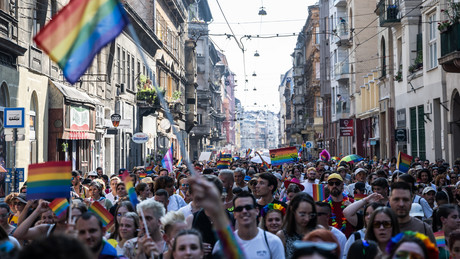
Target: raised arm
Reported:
[(25, 231), (350, 211)]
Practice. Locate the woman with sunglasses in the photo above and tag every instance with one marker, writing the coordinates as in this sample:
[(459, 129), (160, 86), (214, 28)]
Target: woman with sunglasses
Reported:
[(383, 225), (300, 220)]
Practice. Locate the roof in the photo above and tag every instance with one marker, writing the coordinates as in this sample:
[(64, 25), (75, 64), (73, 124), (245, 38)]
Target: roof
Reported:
[(73, 94)]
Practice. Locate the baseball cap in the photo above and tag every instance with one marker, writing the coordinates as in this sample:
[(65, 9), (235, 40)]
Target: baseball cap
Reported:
[(416, 210), (335, 176), (92, 173), (359, 170), (278, 176), (340, 168), (428, 189), (21, 197), (418, 167)]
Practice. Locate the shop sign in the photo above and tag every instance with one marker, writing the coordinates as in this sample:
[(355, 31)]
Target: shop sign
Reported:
[(79, 118), (77, 135), (13, 118), (140, 138), (346, 127), (115, 118)]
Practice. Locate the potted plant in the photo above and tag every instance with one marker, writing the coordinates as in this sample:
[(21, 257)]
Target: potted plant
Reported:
[(452, 12)]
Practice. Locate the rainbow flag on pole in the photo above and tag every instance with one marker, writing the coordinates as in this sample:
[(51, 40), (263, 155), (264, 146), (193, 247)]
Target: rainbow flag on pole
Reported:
[(103, 214), (59, 206), (130, 188), (318, 192), (79, 31), (168, 160), (283, 155), (49, 180), (403, 162)]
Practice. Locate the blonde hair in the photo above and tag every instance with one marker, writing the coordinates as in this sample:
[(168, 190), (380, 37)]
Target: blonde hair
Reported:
[(311, 169), (156, 207), (101, 182), (171, 218)]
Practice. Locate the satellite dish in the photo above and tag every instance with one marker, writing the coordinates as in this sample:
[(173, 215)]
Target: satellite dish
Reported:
[(165, 125)]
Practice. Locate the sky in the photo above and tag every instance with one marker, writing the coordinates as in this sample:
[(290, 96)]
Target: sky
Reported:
[(284, 17)]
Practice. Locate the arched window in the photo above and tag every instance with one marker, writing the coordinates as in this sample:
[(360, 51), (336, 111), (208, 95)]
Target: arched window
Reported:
[(33, 128)]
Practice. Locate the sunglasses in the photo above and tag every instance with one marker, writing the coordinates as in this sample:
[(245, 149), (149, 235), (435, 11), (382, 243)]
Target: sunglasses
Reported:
[(322, 246), (385, 224), (241, 208), (253, 183), (407, 255), (334, 183), (185, 185)]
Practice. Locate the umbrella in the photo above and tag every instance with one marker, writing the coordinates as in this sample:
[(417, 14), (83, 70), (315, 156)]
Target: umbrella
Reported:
[(259, 161), (351, 158)]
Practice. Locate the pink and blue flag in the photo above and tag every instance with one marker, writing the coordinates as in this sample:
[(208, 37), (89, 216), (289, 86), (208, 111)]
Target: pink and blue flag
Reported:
[(168, 160)]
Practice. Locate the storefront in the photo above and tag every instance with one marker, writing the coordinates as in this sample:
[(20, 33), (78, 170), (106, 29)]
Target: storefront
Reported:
[(72, 130)]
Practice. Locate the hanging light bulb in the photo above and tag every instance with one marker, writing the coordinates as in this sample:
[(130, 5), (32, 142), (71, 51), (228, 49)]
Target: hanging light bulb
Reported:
[(254, 74), (254, 89), (256, 54), (262, 11)]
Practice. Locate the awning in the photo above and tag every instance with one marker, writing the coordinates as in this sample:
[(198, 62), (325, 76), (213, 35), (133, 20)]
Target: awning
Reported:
[(73, 94)]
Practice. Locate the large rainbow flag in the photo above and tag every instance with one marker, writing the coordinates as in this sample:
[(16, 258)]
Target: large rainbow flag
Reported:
[(102, 214), (49, 180), (283, 155), (403, 162), (79, 31)]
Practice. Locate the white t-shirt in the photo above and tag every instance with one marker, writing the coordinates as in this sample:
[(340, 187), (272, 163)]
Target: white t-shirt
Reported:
[(175, 202), (257, 247), (186, 210), (309, 186), (341, 238)]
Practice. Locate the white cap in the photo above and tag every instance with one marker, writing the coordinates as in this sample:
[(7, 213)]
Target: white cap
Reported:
[(428, 189), (92, 173), (416, 210)]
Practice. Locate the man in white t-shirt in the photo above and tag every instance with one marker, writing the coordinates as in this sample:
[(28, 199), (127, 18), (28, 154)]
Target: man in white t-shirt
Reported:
[(255, 242), (311, 179)]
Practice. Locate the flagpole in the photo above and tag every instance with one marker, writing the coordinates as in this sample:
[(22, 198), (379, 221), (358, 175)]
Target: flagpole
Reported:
[(162, 100)]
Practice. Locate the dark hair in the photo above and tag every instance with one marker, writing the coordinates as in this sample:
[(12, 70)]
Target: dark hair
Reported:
[(442, 211), (321, 178), (56, 247), (162, 192), (245, 194), (441, 195), (363, 249), (408, 179), (401, 186), (98, 168), (374, 206), (162, 182), (381, 173), (105, 177), (453, 236), (271, 180), (5, 206), (370, 235), (289, 223), (381, 182), (323, 204), (87, 216), (140, 187), (115, 234), (419, 174), (75, 173), (184, 232)]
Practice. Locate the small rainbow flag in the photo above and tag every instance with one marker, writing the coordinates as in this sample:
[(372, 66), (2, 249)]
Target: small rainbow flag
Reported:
[(318, 192), (142, 176), (248, 152), (130, 188), (440, 239), (49, 180), (359, 196), (283, 155), (59, 206), (103, 214), (76, 34), (404, 161), (335, 158)]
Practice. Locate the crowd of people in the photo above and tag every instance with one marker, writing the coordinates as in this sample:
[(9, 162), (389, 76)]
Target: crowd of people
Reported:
[(308, 209)]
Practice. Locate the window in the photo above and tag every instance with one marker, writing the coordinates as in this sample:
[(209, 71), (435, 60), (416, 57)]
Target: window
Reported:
[(5, 5), (118, 65), (417, 131), (199, 119), (317, 38), (432, 45), (319, 107), (133, 73), (128, 72), (33, 128)]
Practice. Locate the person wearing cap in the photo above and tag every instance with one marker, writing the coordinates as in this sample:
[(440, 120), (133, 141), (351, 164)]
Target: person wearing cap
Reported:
[(311, 179), (343, 171), (19, 202), (416, 211), (92, 175), (360, 177), (338, 201), (428, 193)]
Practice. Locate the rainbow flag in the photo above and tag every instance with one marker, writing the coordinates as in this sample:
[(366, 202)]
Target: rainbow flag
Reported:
[(403, 162), (49, 180), (223, 164), (103, 214), (142, 176), (248, 152), (283, 155), (79, 31), (359, 196), (318, 192), (130, 188), (440, 239), (59, 206)]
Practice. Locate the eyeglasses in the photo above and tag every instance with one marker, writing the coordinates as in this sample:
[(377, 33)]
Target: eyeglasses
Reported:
[(385, 224), (310, 215), (323, 246), (334, 183), (407, 255), (241, 208), (185, 185)]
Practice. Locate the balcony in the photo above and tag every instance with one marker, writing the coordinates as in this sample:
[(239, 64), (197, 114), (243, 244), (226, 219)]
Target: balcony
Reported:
[(340, 3), (341, 71), (450, 49), (342, 36), (388, 13)]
